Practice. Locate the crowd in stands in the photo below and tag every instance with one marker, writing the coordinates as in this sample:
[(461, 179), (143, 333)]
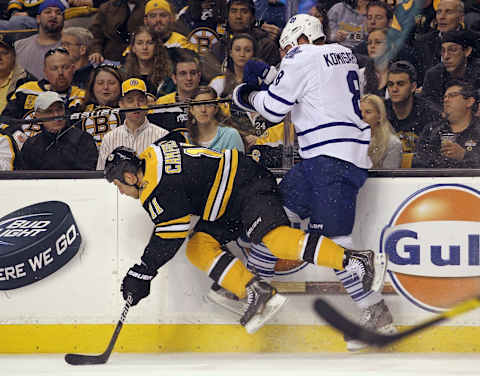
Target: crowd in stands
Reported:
[(419, 77)]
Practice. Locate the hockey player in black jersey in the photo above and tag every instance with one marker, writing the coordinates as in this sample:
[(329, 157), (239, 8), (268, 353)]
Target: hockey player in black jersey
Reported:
[(232, 195)]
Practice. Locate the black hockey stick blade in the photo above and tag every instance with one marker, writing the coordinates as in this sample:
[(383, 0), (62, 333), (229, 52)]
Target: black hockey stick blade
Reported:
[(82, 359), (352, 329)]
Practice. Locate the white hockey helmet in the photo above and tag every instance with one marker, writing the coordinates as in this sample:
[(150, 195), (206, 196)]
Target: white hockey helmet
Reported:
[(298, 25)]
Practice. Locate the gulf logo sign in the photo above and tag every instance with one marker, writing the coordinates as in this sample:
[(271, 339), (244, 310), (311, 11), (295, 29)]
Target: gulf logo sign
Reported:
[(433, 244)]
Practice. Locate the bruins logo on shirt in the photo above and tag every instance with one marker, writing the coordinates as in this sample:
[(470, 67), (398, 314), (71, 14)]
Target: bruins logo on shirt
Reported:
[(31, 129), (204, 38), (99, 126)]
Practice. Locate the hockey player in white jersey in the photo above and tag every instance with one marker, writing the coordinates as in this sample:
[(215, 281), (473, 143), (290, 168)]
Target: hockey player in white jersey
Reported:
[(319, 85)]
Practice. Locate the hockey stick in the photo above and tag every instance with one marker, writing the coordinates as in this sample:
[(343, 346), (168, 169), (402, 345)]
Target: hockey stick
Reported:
[(157, 108), (81, 360), (344, 325)]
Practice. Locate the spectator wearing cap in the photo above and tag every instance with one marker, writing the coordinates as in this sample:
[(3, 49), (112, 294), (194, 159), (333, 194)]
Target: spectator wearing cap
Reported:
[(456, 50), (159, 18), (449, 16), (111, 28), (21, 15), (11, 74), (58, 70), (136, 132), (241, 19), (76, 41), (408, 112), (59, 145), (455, 141), (31, 51)]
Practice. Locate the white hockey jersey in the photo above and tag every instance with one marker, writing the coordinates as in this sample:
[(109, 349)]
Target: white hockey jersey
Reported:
[(320, 86)]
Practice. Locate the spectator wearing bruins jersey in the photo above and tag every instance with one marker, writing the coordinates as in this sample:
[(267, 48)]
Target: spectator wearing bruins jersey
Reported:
[(10, 156), (103, 93), (186, 75), (232, 195), (59, 70), (159, 19)]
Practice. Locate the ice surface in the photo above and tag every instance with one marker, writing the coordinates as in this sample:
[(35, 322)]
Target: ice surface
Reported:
[(201, 364)]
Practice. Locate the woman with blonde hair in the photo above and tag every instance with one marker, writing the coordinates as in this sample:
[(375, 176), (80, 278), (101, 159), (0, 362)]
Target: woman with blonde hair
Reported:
[(385, 148)]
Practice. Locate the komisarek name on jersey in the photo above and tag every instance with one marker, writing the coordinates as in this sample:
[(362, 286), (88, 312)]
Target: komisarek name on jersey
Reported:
[(335, 58)]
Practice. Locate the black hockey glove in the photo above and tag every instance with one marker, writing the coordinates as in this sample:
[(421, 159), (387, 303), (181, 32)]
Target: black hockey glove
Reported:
[(137, 283)]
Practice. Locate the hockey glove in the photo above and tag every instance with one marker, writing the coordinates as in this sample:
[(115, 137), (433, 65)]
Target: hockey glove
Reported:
[(241, 97), (137, 283), (267, 156), (258, 74)]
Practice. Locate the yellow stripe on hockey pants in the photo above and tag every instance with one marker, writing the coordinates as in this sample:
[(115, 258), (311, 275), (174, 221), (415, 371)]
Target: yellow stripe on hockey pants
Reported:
[(205, 253), (293, 244)]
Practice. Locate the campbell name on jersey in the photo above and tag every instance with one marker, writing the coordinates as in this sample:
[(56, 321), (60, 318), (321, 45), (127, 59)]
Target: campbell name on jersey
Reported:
[(182, 180), (319, 85)]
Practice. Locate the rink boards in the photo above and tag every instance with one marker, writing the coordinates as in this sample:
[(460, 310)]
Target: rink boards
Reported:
[(429, 226)]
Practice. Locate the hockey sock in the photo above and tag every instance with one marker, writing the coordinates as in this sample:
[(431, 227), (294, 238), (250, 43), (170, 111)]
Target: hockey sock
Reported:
[(350, 281), (261, 261), (205, 253), (293, 244)]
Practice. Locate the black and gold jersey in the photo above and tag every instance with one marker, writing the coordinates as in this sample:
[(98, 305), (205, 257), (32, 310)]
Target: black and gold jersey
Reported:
[(21, 102), (182, 180), (98, 125)]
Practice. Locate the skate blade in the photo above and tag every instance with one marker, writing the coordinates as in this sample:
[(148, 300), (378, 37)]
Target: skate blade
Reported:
[(381, 262), (234, 306), (271, 308)]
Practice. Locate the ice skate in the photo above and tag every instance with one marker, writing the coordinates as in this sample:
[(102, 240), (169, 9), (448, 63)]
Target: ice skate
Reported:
[(377, 318), (226, 299), (369, 266), (263, 302)]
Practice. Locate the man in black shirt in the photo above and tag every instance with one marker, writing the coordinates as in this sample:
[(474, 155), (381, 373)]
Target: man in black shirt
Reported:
[(455, 143), (408, 113)]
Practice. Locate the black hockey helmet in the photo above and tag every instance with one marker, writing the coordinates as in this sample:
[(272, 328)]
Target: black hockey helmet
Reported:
[(120, 160)]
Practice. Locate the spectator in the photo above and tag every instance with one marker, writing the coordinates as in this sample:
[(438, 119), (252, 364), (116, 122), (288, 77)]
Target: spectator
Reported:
[(385, 148), (320, 11), (379, 16), (112, 26), (159, 18), (241, 49), (76, 41), (472, 14), (103, 92), (136, 132), (347, 19), (449, 17), (59, 146), (10, 156), (456, 50), (241, 19), (455, 143), (207, 126), (31, 51), (373, 77), (408, 112), (11, 74), (186, 75), (271, 11), (148, 59), (21, 15), (58, 71)]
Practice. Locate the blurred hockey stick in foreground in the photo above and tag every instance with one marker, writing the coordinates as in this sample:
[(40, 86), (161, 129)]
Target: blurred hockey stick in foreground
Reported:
[(155, 108), (344, 325), (81, 360)]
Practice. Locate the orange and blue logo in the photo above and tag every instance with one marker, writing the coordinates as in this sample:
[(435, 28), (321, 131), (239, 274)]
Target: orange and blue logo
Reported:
[(433, 244)]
